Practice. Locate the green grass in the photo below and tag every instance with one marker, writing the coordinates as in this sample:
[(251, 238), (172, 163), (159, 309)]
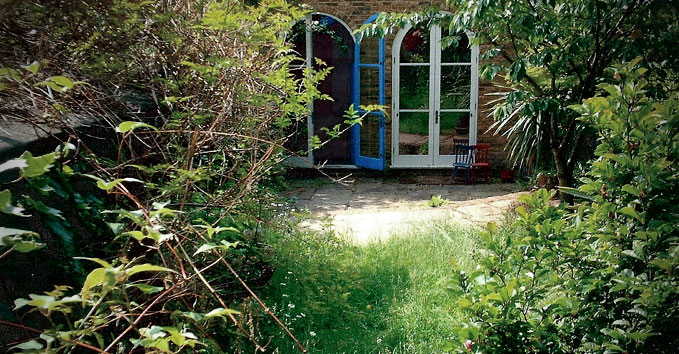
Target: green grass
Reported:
[(388, 297)]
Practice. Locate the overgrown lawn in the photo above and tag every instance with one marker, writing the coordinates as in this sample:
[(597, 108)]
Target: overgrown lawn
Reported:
[(388, 297)]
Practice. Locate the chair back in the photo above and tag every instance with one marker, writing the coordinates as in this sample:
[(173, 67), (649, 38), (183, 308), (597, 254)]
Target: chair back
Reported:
[(463, 153), (481, 153)]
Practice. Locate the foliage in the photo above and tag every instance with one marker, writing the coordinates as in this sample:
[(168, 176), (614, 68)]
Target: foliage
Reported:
[(20, 240), (437, 201), (601, 277), (199, 94), (549, 55)]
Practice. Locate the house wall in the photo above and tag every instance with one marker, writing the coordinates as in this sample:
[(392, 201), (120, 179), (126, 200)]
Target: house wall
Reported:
[(356, 12)]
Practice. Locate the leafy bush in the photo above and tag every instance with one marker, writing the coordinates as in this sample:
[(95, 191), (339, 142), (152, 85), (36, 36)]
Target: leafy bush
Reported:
[(601, 277), (200, 94)]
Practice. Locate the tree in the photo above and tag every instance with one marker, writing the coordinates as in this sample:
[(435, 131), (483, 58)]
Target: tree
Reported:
[(552, 53)]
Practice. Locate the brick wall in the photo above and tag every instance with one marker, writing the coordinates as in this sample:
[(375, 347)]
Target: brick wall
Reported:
[(355, 12)]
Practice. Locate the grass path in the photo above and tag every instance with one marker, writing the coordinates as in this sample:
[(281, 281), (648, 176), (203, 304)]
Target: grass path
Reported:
[(387, 297)]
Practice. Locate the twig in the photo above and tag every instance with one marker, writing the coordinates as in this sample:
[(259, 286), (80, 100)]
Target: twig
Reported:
[(35, 330)]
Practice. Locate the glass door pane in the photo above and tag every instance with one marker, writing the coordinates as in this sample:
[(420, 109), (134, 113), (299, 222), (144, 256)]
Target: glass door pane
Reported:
[(453, 129), (415, 46), (455, 86), (414, 87), (453, 95), (413, 130)]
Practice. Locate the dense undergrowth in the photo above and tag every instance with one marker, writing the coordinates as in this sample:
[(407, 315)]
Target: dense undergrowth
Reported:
[(155, 236), (599, 276), (163, 237)]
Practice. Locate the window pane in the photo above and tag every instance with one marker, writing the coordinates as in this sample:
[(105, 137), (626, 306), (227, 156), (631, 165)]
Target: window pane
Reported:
[(413, 138), (414, 87), (370, 136), (455, 49), (370, 50), (454, 129), (455, 86), (415, 46), (369, 86)]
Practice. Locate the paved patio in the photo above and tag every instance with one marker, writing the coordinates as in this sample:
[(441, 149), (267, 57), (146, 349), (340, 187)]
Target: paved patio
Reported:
[(370, 209)]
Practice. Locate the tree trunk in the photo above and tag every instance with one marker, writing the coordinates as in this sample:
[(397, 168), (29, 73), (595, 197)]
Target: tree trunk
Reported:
[(563, 174)]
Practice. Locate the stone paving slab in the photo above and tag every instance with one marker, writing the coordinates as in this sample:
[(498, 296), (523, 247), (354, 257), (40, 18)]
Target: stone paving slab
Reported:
[(367, 210)]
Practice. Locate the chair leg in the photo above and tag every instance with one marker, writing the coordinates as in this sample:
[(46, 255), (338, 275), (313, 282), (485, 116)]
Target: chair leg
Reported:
[(487, 175), (467, 179), (452, 178)]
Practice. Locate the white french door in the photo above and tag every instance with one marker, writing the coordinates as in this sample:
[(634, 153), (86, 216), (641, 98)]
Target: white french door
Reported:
[(434, 97)]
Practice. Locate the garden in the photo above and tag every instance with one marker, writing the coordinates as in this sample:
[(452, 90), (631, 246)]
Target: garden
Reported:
[(149, 211)]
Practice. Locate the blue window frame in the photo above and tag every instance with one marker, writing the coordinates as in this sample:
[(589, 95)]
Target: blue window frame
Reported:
[(368, 139)]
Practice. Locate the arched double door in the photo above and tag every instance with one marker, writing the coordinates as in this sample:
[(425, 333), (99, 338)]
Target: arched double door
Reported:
[(434, 96)]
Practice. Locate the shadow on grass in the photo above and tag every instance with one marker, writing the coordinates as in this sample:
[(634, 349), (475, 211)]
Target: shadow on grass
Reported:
[(387, 297)]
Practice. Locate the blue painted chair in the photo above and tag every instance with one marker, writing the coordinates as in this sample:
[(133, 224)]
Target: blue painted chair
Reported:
[(463, 160)]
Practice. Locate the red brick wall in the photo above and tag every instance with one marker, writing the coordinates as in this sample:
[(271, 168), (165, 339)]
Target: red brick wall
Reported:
[(356, 12)]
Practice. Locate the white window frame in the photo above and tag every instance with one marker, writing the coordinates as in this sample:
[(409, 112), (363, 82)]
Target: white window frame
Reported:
[(433, 159)]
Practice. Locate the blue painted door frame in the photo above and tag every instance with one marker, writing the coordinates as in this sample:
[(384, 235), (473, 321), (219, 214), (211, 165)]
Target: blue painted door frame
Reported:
[(375, 163)]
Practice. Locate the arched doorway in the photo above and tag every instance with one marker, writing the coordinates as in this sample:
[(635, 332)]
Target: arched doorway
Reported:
[(434, 97), (325, 37)]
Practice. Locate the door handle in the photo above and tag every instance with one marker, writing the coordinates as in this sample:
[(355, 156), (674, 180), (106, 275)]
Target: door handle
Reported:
[(438, 115)]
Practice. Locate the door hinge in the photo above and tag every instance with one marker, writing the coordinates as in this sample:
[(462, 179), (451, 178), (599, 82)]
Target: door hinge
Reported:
[(438, 115)]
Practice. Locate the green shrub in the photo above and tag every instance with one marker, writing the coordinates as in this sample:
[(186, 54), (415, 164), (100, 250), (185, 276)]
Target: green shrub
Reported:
[(204, 91), (602, 276)]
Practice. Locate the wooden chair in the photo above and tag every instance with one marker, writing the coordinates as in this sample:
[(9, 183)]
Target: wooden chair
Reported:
[(481, 161), (463, 160)]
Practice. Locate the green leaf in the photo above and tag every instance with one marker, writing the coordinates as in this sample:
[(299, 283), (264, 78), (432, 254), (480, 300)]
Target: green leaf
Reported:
[(107, 186), (6, 231), (33, 68), (36, 166), (30, 345), (205, 247), (99, 276), (220, 312), (629, 211), (6, 204), (21, 302), (137, 235), (576, 192), (99, 261), (145, 288), (631, 190), (224, 245), (63, 81), (43, 208), (491, 227), (129, 126), (147, 268), (116, 227)]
